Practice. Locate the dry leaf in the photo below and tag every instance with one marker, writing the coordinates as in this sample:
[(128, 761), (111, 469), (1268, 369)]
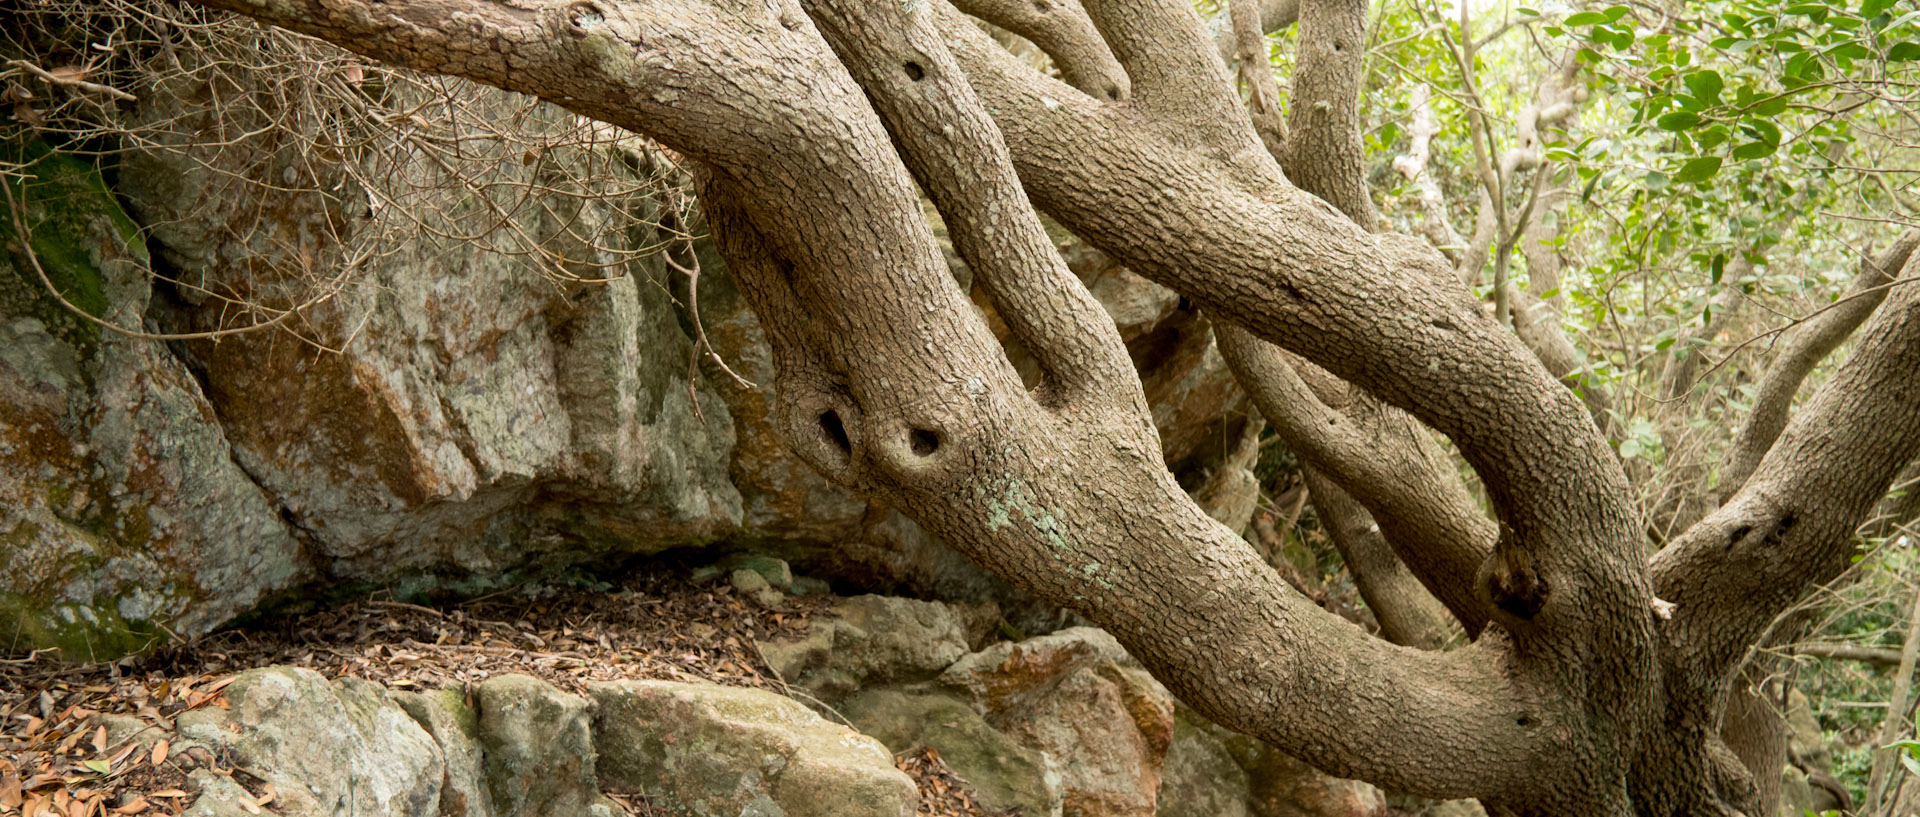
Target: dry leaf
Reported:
[(100, 738), (138, 805), (160, 749), (68, 73), (11, 796), (268, 796)]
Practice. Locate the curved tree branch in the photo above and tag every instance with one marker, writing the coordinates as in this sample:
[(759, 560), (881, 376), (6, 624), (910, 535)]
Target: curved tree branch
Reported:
[(1062, 29), (1802, 348)]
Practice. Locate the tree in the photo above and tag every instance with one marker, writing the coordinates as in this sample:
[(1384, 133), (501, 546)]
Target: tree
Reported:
[(1599, 677)]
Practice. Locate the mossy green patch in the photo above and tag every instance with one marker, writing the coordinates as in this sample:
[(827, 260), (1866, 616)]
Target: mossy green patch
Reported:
[(74, 229), (81, 632)]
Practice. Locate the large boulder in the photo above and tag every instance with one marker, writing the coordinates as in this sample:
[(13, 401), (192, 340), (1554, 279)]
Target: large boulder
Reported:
[(329, 748), (454, 405), (870, 640), (1004, 775), (538, 748), (1104, 724), (712, 750), (122, 511)]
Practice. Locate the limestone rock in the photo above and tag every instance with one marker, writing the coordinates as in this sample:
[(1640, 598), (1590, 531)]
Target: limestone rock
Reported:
[(869, 640), (725, 750), (538, 746), (221, 797), (1200, 778), (755, 588), (1106, 726), (477, 412), (334, 749), (445, 716), (1004, 774), (121, 508)]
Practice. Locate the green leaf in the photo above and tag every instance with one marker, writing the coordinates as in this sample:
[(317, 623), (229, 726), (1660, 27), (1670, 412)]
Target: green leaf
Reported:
[(1586, 18), (1614, 13), (1719, 266), (1711, 138), (1630, 449), (1698, 170), (1706, 86), (1773, 106), (1655, 180), (1902, 52), (1754, 150), (98, 766), (1762, 130), (1872, 8), (1677, 120), (1533, 12)]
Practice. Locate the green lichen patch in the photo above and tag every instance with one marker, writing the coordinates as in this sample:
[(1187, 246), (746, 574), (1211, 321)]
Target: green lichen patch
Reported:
[(74, 231)]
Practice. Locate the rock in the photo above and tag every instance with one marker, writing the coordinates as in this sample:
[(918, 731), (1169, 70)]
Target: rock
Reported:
[(538, 746), (445, 716), (342, 748), (869, 640), (756, 589), (1105, 726), (122, 510), (725, 750), (1004, 775), (221, 797), (1200, 778), (774, 571), (479, 414), (1008, 675)]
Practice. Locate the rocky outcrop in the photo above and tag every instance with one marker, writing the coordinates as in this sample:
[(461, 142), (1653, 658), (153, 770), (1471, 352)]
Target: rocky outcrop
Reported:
[(723, 750), (122, 512)]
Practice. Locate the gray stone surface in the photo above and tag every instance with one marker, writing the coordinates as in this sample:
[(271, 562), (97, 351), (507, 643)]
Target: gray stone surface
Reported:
[(711, 750), (1004, 775), (121, 508), (445, 716), (871, 640), (1200, 777), (337, 749), (538, 748)]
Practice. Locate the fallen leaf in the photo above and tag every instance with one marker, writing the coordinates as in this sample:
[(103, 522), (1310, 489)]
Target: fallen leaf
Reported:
[(98, 766), (138, 805), (11, 796), (68, 73), (267, 796), (100, 738), (160, 749)]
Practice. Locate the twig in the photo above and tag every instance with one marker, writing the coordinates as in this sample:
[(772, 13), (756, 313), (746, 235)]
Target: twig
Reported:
[(72, 82)]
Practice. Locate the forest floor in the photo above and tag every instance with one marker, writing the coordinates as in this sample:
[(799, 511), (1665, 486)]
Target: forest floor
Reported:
[(657, 627)]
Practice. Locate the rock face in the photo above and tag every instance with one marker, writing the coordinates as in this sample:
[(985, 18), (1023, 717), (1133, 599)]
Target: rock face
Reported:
[(121, 509), (721, 750), (871, 640), (1106, 727), (475, 410), (340, 748), (538, 745), (1004, 774)]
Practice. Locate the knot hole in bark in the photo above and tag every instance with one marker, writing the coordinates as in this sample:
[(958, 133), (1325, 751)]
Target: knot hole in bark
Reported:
[(923, 441), (914, 70), (1512, 583), (582, 16), (824, 429), (835, 431)]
